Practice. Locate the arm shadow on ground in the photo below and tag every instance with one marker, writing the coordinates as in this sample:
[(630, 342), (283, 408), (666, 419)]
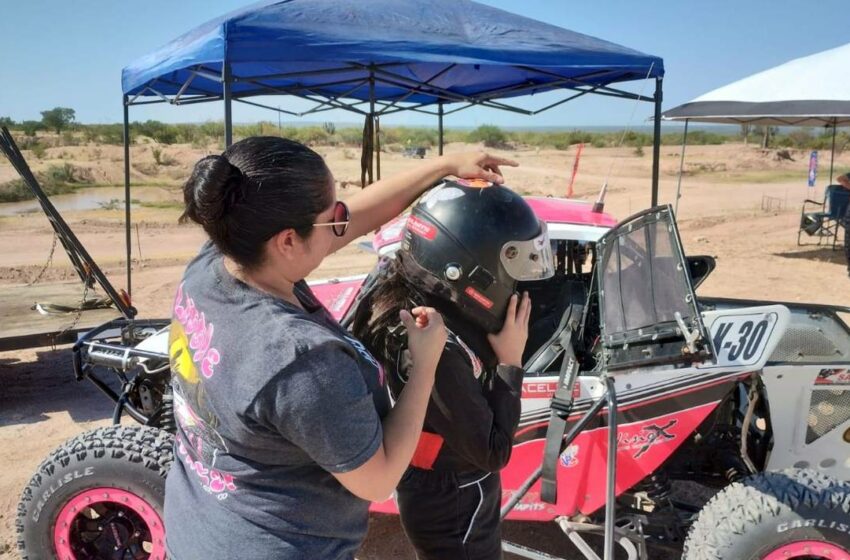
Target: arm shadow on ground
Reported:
[(34, 384)]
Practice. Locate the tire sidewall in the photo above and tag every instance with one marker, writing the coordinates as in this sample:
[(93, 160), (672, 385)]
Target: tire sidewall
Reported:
[(97, 469), (804, 524)]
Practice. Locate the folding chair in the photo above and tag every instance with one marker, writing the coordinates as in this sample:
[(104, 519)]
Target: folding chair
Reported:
[(825, 225)]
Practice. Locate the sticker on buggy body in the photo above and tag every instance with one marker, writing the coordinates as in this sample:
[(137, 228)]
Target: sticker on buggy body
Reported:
[(833, 377)]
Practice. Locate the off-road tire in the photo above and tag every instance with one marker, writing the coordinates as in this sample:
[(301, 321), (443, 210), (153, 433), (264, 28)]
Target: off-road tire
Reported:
[(750, 519), (134, 459)]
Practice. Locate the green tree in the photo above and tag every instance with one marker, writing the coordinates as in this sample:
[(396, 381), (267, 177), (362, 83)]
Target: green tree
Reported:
[(7, 122), (58, 118)]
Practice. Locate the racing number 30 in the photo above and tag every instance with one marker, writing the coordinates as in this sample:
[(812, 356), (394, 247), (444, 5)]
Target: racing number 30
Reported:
[(745, 344)]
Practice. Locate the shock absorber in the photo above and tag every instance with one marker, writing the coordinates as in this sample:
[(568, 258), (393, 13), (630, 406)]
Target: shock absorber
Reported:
[(166, 420), (658, 487)]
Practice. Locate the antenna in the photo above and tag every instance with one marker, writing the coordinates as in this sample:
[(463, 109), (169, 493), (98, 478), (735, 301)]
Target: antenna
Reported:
[(599, 205)]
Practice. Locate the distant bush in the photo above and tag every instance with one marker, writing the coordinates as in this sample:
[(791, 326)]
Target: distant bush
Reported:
[(157, 131), (31, 127), (38, 150), (56, 179), (61, 175), (161, 158), (112, 134), (491, 136), (204, 135), (598, 142), (351, 136), (68, 139)]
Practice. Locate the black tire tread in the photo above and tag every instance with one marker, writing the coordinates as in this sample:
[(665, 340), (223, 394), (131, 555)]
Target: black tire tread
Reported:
[(150, 447), (745, 504)]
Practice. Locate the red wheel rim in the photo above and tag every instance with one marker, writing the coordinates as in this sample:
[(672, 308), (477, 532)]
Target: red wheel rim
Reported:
[(108, 520), (809, 549)]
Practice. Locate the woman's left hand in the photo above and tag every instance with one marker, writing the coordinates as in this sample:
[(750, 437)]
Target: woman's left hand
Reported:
[(477, 165)]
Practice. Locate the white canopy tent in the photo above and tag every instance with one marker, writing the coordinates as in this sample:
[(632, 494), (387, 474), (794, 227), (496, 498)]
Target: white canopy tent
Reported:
[(810, 91)]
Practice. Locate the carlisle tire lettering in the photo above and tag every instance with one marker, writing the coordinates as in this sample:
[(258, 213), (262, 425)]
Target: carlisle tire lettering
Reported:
[(48, 493)]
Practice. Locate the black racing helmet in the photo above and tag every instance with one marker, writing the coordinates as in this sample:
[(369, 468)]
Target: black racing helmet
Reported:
[(469, 242)]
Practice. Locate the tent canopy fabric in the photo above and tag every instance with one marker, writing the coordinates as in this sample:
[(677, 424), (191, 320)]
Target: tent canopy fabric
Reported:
[(393, 50), (809, 91)]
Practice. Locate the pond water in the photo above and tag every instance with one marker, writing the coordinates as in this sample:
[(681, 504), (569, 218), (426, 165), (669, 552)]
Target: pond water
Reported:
[(93, 198)]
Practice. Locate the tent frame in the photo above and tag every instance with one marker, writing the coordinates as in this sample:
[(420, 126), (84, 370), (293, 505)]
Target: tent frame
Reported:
[(371, 108)]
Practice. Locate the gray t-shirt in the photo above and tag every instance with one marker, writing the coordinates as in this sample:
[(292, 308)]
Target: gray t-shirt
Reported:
[(270, 400)]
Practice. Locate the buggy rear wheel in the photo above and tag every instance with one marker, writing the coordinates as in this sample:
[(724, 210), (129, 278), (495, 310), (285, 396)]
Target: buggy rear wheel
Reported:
[(98, 495), (793, 514)]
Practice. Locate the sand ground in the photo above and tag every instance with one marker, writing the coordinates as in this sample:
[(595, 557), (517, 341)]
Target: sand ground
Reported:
[(721, 213)]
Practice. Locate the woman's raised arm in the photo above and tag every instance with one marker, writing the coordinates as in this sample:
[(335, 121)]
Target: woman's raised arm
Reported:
[(382, 201)]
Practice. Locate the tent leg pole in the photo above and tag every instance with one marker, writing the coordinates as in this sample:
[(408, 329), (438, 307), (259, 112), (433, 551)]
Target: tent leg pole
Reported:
[(440, 128), (656, 141), (372, 123), (228, 114), (378, 148), (681, 168), (832, 154), (127, 232)]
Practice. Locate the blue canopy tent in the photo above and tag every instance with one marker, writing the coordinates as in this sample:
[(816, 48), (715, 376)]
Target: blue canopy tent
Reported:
[(379, 57)]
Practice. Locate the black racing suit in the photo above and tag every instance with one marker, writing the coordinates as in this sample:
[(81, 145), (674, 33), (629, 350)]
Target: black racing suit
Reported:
[(450, 496)]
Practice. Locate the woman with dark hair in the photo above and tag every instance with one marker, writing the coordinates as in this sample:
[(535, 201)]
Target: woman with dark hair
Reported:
[(284, 427), (465, 247)]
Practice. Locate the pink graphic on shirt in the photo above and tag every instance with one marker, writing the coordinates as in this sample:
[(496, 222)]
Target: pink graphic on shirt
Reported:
[(200, 332), (213, 481)]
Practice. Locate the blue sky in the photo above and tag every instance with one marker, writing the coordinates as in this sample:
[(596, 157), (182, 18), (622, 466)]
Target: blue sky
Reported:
[(61, 53)]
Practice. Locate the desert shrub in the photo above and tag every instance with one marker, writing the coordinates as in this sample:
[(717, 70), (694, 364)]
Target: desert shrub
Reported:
[(214, 130), (31, 127), (598, 142), (491, 136), (351, 136), (161, 158), (112, 134), (157, 131), (39, 150), (14, 190), (312, 135), (69, 139), (61, 175)]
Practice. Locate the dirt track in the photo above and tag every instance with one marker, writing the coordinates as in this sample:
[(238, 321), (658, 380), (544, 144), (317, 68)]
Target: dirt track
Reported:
[(720, 214)]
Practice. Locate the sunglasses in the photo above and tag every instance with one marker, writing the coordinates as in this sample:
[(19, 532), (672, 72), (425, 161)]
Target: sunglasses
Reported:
[(341, 219)]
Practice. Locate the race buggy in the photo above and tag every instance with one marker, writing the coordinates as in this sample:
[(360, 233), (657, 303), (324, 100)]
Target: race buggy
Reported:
[(747, 400)]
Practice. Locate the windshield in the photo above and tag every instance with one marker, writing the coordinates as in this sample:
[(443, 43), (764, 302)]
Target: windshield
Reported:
[(643, 281)]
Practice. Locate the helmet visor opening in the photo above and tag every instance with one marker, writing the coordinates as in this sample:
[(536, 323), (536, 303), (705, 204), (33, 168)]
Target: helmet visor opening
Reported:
[(531, 259)]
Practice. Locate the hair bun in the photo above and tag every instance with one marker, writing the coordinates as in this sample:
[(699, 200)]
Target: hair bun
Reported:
[(215, 187)]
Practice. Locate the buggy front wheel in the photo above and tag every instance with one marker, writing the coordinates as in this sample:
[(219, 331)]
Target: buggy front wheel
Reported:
[(99, 495), (793, 514)]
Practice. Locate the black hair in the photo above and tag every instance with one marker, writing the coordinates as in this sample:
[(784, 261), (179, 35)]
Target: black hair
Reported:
[(379, 311), (257, 188), (377, 314)]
